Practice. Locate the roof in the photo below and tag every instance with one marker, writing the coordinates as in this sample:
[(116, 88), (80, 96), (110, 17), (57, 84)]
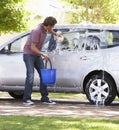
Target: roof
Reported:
[(90, 26)]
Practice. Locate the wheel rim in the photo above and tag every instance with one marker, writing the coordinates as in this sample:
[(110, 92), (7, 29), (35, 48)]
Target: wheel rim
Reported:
[(99, 90)]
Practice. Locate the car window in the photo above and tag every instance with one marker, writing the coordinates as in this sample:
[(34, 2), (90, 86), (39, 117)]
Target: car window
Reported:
[(50, 42), (109, 38), (70, 41), (15, 46), (66, 41), (97, 39), (18, 45), (92, 42), (113, 38)]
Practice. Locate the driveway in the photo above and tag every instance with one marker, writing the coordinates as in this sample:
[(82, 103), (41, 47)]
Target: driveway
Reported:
[(64, 107)]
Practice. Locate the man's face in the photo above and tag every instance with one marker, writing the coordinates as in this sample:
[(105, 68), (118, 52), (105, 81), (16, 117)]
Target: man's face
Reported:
[(49, 28)]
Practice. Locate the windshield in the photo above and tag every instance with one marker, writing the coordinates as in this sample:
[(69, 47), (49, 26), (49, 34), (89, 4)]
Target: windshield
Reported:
[(15, 46)]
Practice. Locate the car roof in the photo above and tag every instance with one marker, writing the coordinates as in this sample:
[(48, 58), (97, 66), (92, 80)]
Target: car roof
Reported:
[(89, 26)]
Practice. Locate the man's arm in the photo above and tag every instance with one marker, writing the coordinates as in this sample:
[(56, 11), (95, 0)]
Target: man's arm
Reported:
[(36, 50)]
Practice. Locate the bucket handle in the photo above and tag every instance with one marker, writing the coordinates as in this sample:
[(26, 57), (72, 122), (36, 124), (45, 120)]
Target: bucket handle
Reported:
[(46, 61)]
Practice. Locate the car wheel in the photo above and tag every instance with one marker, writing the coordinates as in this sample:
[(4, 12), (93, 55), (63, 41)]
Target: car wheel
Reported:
[(17, 94), (100, 87)]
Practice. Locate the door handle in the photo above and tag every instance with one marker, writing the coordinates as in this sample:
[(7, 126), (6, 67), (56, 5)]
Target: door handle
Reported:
[(83, 58)]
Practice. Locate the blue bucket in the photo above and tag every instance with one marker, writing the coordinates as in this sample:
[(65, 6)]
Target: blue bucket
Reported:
[(48, 75)]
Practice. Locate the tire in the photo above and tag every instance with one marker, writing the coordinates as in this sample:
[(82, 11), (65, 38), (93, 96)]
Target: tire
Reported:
[(17, 94), (100, 87)]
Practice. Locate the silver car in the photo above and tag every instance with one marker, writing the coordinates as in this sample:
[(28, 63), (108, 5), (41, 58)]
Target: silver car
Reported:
[(86, 58)]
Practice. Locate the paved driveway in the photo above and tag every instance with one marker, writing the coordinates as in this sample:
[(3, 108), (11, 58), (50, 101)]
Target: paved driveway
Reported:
[(64, 107)]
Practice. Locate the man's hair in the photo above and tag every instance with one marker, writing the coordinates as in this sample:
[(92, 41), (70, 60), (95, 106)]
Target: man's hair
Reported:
[(49, 21)]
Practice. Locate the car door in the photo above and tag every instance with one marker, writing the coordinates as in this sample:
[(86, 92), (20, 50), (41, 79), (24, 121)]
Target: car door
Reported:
[(67, 60), (12, 67)]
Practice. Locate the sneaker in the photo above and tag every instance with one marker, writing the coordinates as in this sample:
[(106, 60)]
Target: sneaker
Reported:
[(28, 102), (49, 102)]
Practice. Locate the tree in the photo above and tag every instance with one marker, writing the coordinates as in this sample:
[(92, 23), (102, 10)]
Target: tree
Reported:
[(13, 16), (95, 11)]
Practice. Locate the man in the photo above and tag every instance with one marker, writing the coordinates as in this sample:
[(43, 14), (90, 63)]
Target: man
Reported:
[(33, 59)]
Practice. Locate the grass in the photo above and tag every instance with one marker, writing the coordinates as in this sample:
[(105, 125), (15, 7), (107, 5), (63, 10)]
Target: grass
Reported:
[(63, 95), (53, 95), (56, 123), (57, 95)]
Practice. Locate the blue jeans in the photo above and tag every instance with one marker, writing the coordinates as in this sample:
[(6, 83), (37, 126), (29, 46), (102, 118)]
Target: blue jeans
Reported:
[(33, 62)]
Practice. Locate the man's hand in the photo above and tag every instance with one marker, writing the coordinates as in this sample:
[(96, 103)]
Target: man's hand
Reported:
[(45, 56), (53, 32), (36, 50)]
